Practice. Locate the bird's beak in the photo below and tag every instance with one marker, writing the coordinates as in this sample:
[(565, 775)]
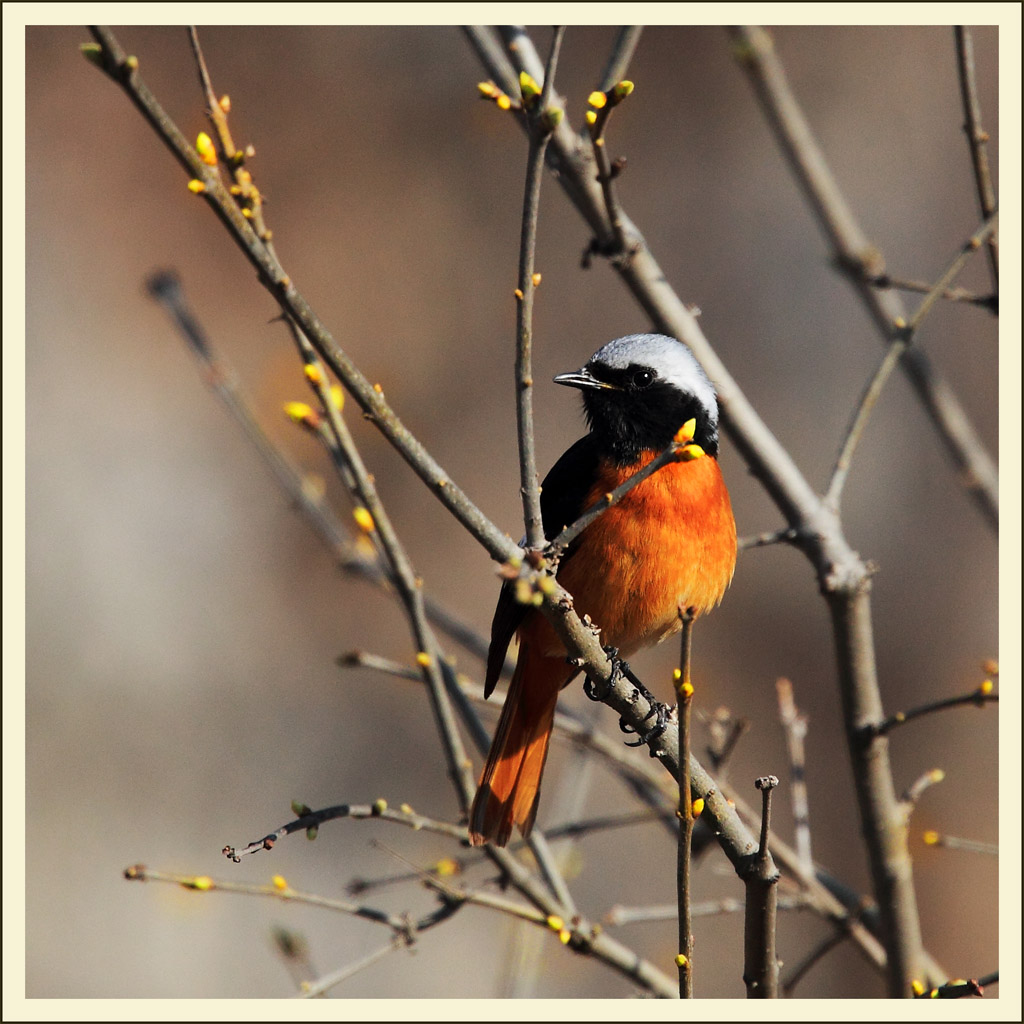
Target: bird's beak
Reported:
[(582, 379)]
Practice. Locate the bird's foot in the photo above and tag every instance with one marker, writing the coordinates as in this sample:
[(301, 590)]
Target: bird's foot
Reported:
[(621, 670), (659, 712), (597, 689)]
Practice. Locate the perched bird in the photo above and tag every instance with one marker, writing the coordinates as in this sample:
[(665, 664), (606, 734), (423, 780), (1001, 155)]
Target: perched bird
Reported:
[(669, 544)]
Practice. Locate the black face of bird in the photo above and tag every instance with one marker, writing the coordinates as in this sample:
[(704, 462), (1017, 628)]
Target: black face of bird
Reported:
[(639, 390)]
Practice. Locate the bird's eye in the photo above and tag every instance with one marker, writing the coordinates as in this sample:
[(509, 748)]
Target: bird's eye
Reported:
[(642, 379)]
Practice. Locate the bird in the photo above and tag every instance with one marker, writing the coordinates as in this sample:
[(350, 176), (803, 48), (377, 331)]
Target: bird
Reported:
[(668, 545)]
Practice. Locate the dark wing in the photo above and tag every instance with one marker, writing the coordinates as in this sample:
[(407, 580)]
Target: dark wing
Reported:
[(563, 492)]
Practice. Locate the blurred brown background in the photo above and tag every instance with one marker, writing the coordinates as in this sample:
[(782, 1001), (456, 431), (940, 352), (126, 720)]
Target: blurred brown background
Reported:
[(183, 620)]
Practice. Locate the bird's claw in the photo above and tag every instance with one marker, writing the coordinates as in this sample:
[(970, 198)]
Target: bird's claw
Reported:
[(598, 692), (620, 669), (661, 713)]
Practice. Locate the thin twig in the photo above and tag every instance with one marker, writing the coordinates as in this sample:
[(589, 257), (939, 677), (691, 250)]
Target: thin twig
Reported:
[(625, 43), (760, 964), (795, 725), (787, 535), (294, 951), (569, 533), (725, 732), (684, 700), (960, 988), (801, 970), (959, 843), (619, 915), (541, 127), (914, 791), (977, 139), (979, 698), (989, 302), (329, 981), (283, 892), (615, 245), (311, 820)]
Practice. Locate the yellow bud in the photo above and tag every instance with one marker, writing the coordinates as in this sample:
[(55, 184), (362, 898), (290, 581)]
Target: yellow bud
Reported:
[(488, 90), (313, 374), (686, 432), (591, 117), (299, 412), (279, 883), (687, 689), (546, 585), (698, 807), (677, 674), (519, 294), (931, 837), (622, 90), (131, 63), (93, 53), (986, 687), (205, 149), (225, 103), (406, 809), (597, 99), (691, 452), (917, 987), (247, 213), (934, 994), (564, 936), (936, 775), (555, 923), (378, 389), (447, 867), (504, 103), (363, 519), (535, 279), (681, 960), (203, 883), (380, 805), (424, 660), (553, 117), (990, 667), (196, 186), (528, 86), (899, 322)]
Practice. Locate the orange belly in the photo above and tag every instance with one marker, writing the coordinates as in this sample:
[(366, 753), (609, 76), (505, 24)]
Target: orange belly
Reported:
[(669, 543)]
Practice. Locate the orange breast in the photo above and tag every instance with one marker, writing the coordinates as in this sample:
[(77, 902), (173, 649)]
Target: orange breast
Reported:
[(670, 542)]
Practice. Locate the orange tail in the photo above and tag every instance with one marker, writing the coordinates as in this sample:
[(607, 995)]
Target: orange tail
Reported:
[(510, 784)]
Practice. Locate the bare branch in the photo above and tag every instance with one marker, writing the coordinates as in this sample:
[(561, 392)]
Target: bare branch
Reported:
[(977, 139), (861, 259), (914, 791), (795, 725), (989, 302), (541, 126), (958, 843), (979, 698), (622, 53), (760, 964), (905, 333), (684, 700)]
